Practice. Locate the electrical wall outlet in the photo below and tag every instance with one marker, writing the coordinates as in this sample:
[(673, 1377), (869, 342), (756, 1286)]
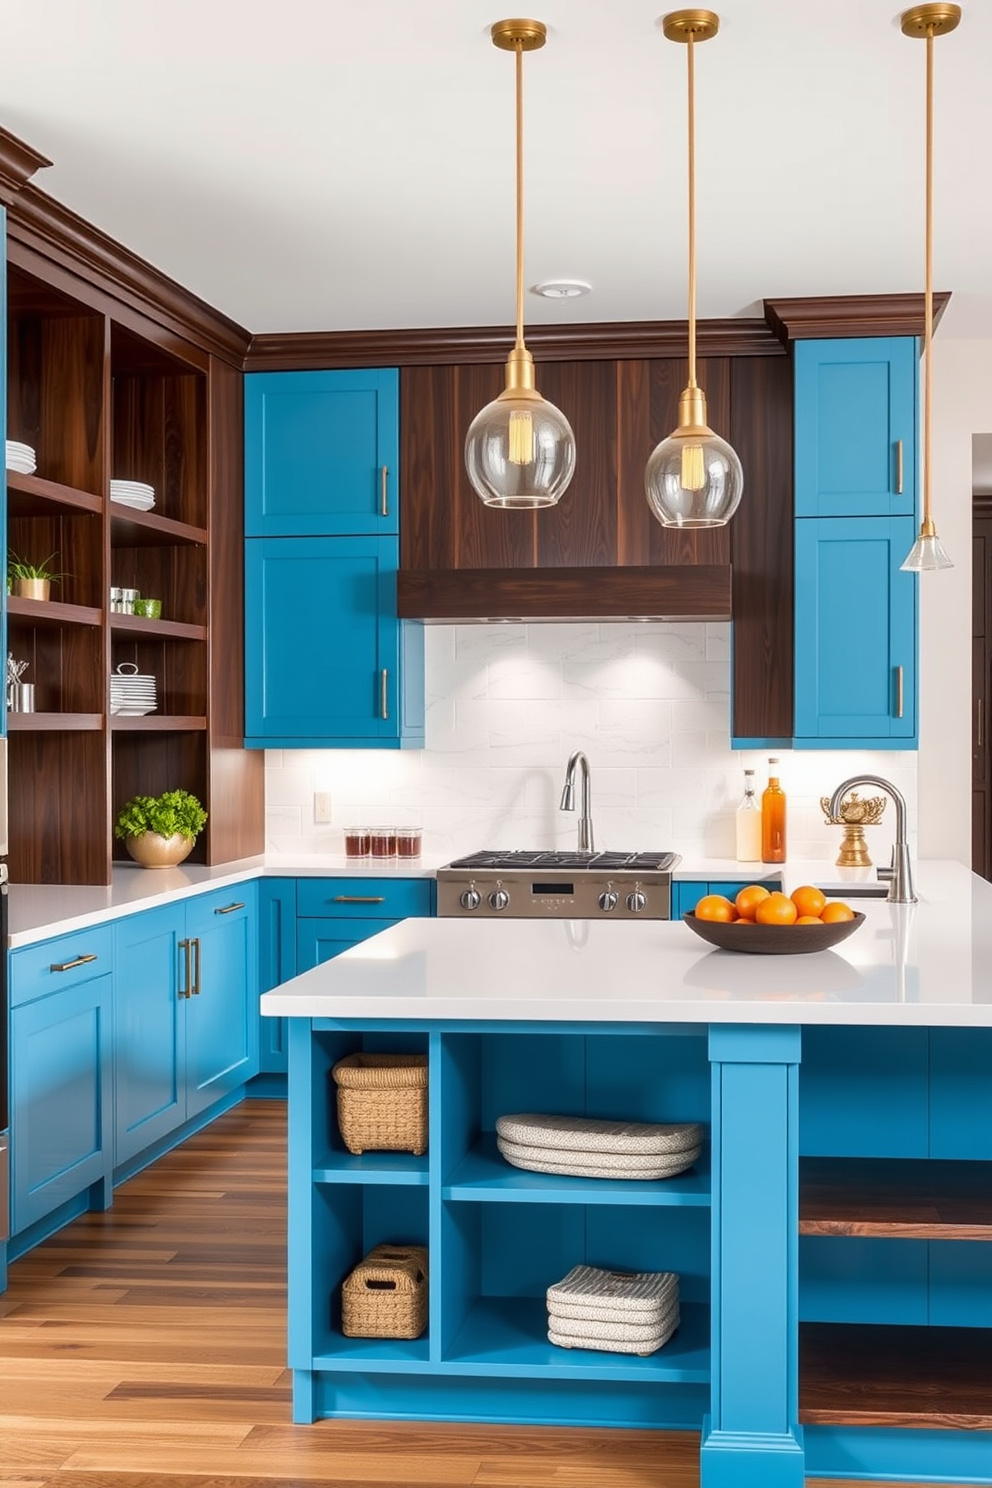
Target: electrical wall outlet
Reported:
[(322, 806)]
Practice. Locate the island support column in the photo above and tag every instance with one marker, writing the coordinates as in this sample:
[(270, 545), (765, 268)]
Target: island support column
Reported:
[(752, 1438)]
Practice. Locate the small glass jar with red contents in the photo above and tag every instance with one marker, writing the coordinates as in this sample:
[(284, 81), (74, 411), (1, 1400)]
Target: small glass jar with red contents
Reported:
[(383, 842), (357, 842), (408, 841)]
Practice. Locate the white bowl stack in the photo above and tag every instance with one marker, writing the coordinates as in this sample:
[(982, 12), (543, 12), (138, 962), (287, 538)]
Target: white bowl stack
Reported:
[(20, 457), (132, 693), (133, 493), (619, 1312), (587, 1147)]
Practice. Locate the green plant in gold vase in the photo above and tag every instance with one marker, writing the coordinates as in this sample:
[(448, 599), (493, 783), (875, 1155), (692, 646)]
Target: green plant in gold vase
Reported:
[(159, 831)]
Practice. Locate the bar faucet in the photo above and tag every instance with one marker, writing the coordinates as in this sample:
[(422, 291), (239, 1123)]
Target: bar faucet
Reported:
[(901, 883), (567, 802)]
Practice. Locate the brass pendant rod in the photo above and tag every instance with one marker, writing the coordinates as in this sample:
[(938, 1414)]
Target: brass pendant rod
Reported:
[(928, 527), (519, 54), (691, 58)]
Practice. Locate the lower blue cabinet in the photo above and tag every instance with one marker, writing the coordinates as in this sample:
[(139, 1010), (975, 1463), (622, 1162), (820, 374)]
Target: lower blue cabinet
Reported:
[(687, 893), (185, 1023), (277, 963), (61, 1096)]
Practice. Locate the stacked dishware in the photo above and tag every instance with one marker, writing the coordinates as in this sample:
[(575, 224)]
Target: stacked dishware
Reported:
[(586, 1147), (132, 693), (133, 493), (620, 1312), (20, 457)]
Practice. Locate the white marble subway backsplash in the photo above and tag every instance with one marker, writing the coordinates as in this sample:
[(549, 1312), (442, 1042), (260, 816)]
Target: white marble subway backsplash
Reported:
[(506, 705)]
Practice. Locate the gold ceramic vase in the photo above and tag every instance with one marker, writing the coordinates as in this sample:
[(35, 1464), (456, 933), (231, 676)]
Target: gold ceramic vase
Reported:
[(152, 850)]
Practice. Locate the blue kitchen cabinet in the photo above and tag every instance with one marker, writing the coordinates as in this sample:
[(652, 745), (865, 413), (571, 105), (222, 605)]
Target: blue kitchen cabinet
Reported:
[(687, 894), (856, 634), (322, 453), (327, 662), (856, 427), (185, 1025), (61, 1075), (277, 963)]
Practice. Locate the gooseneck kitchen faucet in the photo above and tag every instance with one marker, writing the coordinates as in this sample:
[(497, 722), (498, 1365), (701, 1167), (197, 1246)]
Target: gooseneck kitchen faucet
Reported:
[(901, 884), (567, 802)]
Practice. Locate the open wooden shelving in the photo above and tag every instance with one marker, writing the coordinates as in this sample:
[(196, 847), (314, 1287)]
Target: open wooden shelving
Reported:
[(922, 1199), (99, 392)]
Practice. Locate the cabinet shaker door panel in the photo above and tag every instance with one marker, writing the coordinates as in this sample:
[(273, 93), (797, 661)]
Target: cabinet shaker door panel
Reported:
[(318, 941), (856, 427), (61, 1098), (322, 642), (321, 452), (148, 1028), (222, 1010), (855, 632)]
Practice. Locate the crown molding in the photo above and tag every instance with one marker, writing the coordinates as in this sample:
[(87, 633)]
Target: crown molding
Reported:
[(92, 261), (305, 351), (825, 316), (18, 163)]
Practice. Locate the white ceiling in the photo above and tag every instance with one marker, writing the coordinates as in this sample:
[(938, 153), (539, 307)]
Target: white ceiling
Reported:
[(338, 164)]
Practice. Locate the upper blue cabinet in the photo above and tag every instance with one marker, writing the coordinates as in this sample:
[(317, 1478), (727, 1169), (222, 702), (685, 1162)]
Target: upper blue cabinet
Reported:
[(856, 427), (322, 453)]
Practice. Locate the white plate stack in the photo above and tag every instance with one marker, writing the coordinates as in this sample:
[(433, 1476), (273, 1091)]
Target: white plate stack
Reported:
[(21, 457), (620, 1312), (132, 693), (587, 1147), (133, 493)]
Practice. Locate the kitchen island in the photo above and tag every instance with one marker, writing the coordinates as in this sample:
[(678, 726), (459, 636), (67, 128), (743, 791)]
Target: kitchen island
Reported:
[(833, 1244)]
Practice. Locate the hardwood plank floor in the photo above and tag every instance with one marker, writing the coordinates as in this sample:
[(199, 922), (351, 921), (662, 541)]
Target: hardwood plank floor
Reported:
[(145, 1347)]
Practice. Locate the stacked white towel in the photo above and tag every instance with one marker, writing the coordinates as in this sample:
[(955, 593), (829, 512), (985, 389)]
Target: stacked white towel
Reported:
[(587, 1147), (620, 1312)]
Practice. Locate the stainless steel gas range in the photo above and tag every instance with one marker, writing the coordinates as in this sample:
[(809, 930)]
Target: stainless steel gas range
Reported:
[(558, 885)]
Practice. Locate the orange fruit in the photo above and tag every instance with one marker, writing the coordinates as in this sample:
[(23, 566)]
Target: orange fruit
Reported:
[(809, 920), (835, 912), (715, 907), (809, 902), (777, 909), (748, 900)]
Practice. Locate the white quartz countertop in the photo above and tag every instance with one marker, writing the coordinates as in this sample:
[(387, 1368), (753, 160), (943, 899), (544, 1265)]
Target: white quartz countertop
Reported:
[(924, 964)]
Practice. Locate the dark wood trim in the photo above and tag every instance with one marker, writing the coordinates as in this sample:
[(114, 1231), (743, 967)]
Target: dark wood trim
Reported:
[(18, 163), (903, 1198), (663, 592), (38, 224), (304, 351), (810, 316)]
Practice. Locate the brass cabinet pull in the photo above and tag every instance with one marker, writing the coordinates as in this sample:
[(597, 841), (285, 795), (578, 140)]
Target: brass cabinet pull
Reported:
[(195, 989), (184, 946), (230, 908), (899, 692), (981, 730), (384, 504), (70, 965), (358, 899), (384, 689), (898, 467)]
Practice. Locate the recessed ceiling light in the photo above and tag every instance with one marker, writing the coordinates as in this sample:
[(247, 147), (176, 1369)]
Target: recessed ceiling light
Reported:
[(561, 289)]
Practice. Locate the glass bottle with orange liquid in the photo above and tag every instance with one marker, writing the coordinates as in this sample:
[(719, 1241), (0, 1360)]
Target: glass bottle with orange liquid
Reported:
[(773, 818)]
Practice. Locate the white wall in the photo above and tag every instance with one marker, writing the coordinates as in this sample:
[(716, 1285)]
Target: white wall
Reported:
[(649, 704), (962, 388)]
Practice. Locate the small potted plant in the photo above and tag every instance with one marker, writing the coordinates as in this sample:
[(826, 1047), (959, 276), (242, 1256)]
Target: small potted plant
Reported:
[(31, 580), (159, 831)]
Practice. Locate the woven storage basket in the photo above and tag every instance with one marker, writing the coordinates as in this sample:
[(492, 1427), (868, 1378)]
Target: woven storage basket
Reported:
[(382, 1102), (386, 1294)]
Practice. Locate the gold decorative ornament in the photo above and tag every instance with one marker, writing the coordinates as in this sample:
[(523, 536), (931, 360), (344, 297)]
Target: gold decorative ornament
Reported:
[(927, 21), (520, 450), (855, 815), (693, 478)]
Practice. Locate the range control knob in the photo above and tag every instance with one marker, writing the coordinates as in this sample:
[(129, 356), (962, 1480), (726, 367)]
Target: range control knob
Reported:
[(608, 900), (636, 901), (471, 899), (499, 899)]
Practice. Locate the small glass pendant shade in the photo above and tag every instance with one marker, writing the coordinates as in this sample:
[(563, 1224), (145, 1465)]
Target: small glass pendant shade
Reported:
[(520, 452), (693, 480), (926, 555)]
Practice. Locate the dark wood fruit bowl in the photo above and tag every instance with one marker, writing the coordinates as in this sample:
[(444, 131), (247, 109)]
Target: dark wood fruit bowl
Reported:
[(773, 940)]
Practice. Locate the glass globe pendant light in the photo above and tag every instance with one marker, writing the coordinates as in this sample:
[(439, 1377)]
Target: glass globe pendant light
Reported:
[(927, 553), (520, 450), (693, 478)]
